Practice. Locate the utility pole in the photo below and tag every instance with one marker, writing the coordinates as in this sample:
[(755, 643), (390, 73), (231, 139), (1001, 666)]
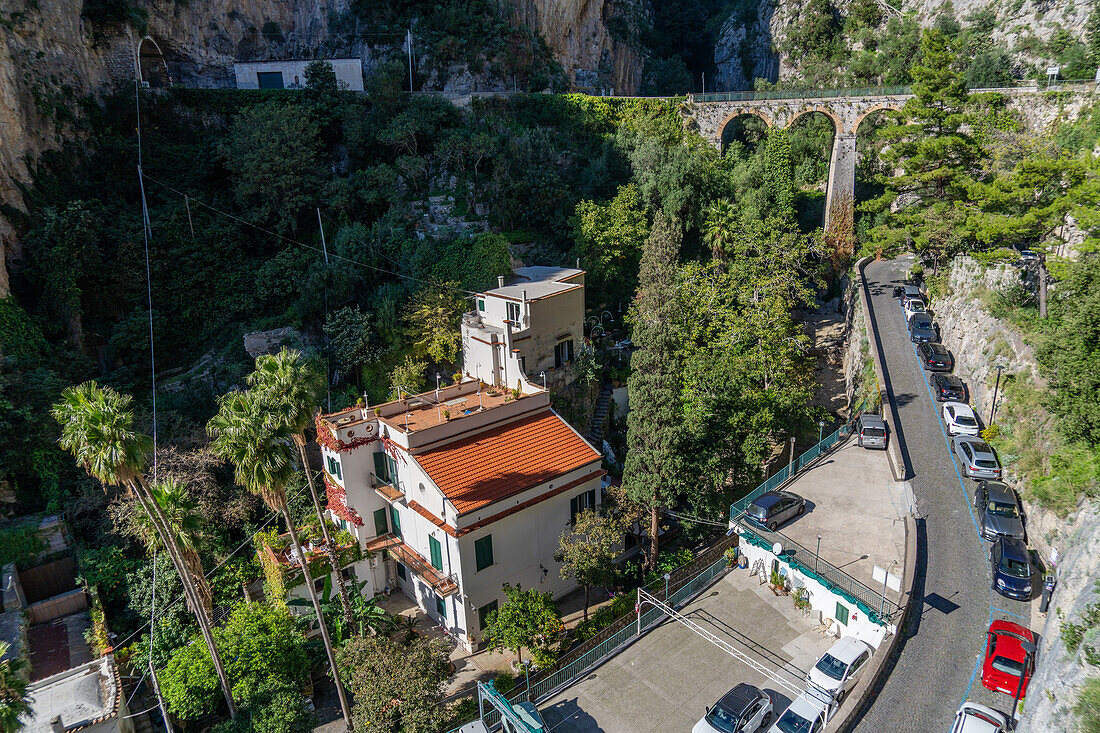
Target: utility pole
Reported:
[(703, 74), (409, 43), (1042, 286), (328, 365), (996, 386)]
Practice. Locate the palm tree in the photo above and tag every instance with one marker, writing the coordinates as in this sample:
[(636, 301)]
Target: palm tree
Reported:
[(185, 522), (288, 385), (263, 465), (719, 227), (13, 691), (97, 428)]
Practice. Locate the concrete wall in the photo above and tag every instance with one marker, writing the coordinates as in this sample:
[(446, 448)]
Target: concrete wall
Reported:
[(348, 71), (60, 605)]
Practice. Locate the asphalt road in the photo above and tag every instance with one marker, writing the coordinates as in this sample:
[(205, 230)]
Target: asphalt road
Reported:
[(937, 666)]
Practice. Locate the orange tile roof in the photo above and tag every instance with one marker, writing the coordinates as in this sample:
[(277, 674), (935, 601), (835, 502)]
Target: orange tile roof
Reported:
[(505, 461)]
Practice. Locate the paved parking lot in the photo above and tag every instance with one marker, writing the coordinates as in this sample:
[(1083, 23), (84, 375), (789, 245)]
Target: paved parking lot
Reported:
[(666, 680)]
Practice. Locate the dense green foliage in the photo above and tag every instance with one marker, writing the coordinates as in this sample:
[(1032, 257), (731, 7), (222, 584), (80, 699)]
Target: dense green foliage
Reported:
[(528, 620)]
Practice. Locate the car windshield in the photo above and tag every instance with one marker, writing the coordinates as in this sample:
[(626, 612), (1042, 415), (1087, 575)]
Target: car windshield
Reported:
[(1002, 510), (986, 463), (721, 719), (1015, 568), (921, 322), (831, 666), (966, 420), (793, 723), (1008, 666), (874, 432)]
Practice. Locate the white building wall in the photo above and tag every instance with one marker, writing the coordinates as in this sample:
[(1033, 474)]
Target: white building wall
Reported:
[(348, 71)]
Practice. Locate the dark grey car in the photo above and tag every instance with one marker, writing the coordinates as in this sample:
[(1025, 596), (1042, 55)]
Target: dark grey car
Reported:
[(871, 431), (921, 329), (947, 387), (999, 511), (773, 508), (1010, 563)]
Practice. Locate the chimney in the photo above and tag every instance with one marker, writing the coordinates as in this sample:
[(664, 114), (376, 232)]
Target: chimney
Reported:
[(500, 281)]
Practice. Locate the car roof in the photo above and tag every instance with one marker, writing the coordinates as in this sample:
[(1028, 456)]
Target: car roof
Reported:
[(915, 289), (739, 698), (807, 705), (1014, 548), (1011, 644), (847, 649), (960, 408), (976, 444), (920, 320), (949, 378), (872, 420), (933, 346), (768, 498), (999, 491), (975, 725)]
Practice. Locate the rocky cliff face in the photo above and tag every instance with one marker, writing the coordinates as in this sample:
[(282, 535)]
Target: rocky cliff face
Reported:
[(747, 48), (577, 32), (979, 343)]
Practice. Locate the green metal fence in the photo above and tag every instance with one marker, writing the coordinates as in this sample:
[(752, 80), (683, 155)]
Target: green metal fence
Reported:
[(562, 675), (802, 94)]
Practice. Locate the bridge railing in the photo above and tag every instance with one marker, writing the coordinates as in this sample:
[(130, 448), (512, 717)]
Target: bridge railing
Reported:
[(750, 96)]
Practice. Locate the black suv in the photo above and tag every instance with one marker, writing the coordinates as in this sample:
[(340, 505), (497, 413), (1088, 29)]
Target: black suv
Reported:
[(921, 329), (1010, 561), (936, 357), (947, 388)]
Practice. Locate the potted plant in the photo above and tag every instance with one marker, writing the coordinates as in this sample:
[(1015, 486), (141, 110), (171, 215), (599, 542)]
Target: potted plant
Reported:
[(778, 583), (446, 414), (731, 556), (801, 598)]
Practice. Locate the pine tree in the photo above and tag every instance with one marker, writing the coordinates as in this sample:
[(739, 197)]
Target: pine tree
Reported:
[(936, 154), (653, 474)]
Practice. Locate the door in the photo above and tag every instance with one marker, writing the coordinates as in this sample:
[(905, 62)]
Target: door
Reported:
[(436, 552), (269, 79), (396, 520), (381, 527)]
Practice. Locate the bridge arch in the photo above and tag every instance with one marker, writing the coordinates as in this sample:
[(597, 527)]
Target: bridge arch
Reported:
[(727, 128), (892, 107), (152, 68), (838, 124)]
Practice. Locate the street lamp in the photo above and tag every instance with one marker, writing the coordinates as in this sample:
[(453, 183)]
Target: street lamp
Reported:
[(818, 555), (667, 576), (1029, 653), (792, 453), (820, 429), (996, 386)]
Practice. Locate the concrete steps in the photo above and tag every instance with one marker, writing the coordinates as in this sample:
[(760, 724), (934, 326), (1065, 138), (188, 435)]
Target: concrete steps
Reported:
[(599, 417)]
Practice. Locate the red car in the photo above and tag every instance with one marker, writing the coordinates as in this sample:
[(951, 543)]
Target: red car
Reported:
[(1005, 658)]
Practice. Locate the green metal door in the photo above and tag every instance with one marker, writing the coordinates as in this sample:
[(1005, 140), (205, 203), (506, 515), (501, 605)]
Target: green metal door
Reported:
[(396, 520), (380, 525)]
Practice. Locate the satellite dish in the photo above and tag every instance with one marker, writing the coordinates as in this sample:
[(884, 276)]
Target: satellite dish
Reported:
[(777, 549)]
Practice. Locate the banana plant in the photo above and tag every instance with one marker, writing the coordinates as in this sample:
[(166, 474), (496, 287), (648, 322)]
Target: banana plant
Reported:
[(367, 615)]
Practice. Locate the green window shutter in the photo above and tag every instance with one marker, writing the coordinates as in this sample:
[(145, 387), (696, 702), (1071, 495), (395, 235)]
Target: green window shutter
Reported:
[(396, 518), (391, 469), (842, 613), (483, 614), (441, 607), (436, 552), (381, 526), (380, 466), (401, 572), (573, 510), (483, 552)]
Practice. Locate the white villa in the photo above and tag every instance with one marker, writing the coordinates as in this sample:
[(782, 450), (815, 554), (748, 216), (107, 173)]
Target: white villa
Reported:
[(531, 325), (454, 492)]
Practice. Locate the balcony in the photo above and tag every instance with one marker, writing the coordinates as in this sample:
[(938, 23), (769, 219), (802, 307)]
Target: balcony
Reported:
[(281, 555), (387, 490), (444, 585)]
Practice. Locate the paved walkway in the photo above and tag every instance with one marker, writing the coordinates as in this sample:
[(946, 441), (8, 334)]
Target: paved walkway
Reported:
[(666, 680)]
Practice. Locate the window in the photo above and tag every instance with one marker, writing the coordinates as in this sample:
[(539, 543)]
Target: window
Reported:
[(319, 584), (436, 551), (441, 607), (483, 552), (385, 468), (481, 304), (580, 502), (396, 520), (401, 572), (269, 79), (514, 313), (334, 467), (483, 614), (381, 526), (842, 613), (563, 353)]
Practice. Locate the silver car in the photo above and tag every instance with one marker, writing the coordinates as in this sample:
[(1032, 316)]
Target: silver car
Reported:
[(871, 432), (976, 458), (999, 511)]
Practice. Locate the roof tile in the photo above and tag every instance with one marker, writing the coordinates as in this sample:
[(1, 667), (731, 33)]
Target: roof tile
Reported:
[(498, 463)]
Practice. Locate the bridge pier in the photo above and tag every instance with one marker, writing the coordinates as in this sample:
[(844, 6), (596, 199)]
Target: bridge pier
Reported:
[(840, 194)]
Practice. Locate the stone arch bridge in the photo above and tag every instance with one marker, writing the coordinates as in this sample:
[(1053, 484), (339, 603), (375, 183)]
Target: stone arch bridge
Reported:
[(847, 108), (711, 113)]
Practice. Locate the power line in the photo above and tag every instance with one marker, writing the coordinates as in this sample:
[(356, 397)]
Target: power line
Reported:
[(315, 248)]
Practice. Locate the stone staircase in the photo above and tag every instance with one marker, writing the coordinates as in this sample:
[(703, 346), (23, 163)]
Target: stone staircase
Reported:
[(599, 417)]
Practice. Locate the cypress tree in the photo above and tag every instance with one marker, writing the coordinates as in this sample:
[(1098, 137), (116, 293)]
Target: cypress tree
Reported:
[(779, 174), (653, 474)]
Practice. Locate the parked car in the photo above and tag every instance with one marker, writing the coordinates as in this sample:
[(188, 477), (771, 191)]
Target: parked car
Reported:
[(1006, 661), (1010, 561), (977, 458), (999, 511), (975, 718), (744, 709), (960, 419), (921, 329), (947, 387), (773, 508), (936, 357), (839, 669), (529, 714), (871, 431), (1028, 257), (913, 306), (910, 292), (807, 714)]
